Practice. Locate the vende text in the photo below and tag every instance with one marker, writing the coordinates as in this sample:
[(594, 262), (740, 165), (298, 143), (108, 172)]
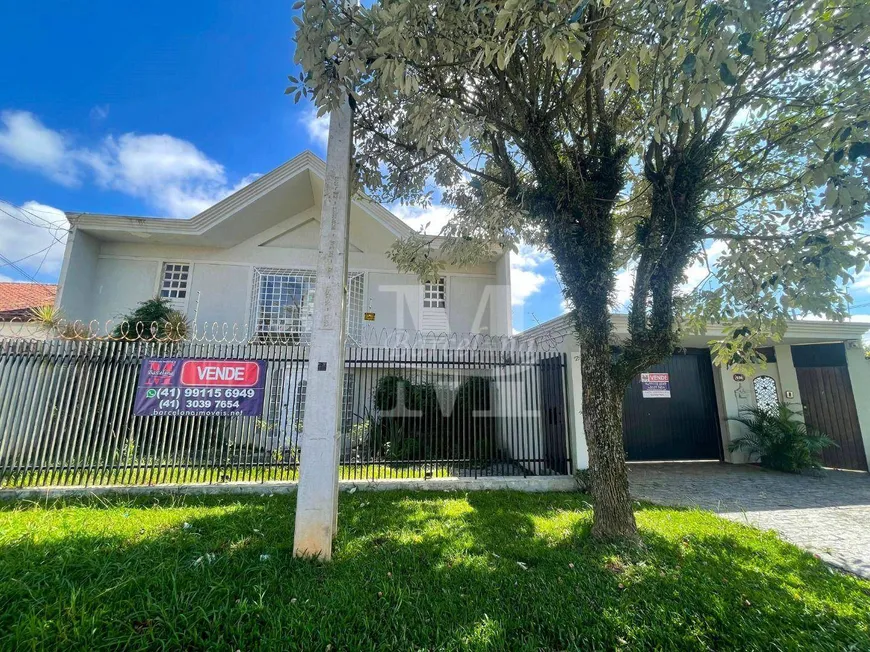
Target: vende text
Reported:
[(219, 373)]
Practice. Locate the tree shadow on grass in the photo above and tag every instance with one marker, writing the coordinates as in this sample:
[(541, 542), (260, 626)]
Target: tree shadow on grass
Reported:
[(496, 570)]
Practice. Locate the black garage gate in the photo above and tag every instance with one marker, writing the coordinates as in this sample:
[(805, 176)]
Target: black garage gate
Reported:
[(682, 427)]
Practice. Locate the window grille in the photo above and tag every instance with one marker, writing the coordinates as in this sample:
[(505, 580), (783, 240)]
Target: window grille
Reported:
[(283, 308), (766, 397), (174, 283), (435, 294)]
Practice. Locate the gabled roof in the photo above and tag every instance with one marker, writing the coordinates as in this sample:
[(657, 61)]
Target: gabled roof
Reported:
[(300, 179), (17, 299)]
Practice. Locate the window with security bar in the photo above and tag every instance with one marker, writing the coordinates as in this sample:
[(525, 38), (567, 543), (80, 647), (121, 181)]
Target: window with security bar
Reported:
[(174, 283), (766, 396), (283, 310)]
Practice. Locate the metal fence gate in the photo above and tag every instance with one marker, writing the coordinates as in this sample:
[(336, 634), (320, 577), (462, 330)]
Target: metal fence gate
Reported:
[(66, 416)]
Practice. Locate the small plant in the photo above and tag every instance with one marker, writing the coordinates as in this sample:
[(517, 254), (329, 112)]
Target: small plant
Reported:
[(779, 440), (47, 317)]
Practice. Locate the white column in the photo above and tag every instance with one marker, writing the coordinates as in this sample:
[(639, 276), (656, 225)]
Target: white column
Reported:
[(789, 390), (317, 499), (579, 450), (502, 319), (733, 396), (859, 375)]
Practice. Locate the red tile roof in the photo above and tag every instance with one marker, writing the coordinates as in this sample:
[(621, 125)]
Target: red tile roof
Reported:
[(16, 299)]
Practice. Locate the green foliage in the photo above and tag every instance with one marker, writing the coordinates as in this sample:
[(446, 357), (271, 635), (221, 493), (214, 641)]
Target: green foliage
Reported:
[(391, 392), (48, 317), (780, 440), (412, 423), (217, 572), (153, 319), (741, 132), (721, 142), (474, 394)]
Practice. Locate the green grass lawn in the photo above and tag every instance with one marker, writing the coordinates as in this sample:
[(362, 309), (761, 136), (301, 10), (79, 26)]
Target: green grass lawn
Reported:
[(486, 570)]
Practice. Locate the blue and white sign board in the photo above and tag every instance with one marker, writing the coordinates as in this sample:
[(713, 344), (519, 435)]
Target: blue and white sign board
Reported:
[(655, 385)]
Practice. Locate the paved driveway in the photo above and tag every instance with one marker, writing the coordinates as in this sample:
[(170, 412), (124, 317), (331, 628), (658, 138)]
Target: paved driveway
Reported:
[(827, 515)]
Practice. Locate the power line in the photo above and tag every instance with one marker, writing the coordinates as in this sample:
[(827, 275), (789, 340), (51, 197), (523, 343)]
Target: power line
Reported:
[(35, 253), (44, 258), (21, 271), (31, 212), (48, 225)]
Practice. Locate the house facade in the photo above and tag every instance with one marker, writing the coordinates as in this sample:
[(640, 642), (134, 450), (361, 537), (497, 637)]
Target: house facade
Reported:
[(818, 367), (249, 262)]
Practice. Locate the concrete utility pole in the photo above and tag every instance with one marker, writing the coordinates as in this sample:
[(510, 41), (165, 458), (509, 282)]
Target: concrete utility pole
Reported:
[(317, 499)]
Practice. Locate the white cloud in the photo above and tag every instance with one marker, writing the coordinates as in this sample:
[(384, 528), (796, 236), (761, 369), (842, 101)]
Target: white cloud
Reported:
[(317, 128), (698, 272), (168, 173), (32, 236), (431, 219), (28, 143), (525, 280), (862, 281)]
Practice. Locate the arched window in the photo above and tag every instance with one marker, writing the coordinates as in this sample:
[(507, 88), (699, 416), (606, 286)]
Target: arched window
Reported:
[(766, 397)]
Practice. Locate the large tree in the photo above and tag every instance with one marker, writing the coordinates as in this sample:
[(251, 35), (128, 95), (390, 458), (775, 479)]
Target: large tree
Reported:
[(619, 134)]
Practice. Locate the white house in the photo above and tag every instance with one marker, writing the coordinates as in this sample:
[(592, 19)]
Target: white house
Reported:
[(250, 261), (819, 367)]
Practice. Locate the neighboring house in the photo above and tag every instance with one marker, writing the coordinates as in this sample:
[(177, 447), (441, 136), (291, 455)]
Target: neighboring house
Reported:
[(17, 301), (819, 366), (249, 261)]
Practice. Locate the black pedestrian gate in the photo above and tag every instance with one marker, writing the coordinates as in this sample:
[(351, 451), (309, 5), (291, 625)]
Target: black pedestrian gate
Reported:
[(682, 427), (555, 424)]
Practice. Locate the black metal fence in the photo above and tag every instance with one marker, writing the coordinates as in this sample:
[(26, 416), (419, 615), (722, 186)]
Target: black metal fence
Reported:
[(66, 416)]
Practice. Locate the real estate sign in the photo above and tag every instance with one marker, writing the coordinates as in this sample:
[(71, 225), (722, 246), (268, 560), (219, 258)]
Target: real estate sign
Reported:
[(197, 387), (655, 385)]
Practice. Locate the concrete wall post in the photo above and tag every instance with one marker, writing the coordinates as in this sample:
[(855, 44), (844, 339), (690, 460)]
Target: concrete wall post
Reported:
[(859, 375), (577, 436)]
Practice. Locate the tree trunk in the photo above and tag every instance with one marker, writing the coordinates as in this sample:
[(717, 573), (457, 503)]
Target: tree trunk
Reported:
[(602, 420)]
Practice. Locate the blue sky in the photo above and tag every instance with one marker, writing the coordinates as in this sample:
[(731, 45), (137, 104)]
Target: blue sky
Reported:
[(162, 108)]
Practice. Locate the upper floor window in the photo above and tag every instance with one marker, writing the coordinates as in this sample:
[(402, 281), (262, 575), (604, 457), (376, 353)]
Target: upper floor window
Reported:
[(435, 294), (284, 305), (174, 283), (766, 396)]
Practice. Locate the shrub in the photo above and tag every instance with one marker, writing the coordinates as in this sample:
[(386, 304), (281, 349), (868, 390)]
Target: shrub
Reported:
[(779, 440), (388, 390), (153, 319)]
